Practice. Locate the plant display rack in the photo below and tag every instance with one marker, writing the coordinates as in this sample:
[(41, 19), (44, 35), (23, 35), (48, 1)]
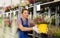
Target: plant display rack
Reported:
[(48, 4), (34, 6)]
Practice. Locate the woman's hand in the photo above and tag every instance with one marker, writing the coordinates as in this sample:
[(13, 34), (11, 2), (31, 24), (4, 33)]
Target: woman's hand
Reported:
[(36, 29)]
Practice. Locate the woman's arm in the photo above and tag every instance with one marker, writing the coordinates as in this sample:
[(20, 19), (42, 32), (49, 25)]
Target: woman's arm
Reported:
[(25, 28), (20, 26)]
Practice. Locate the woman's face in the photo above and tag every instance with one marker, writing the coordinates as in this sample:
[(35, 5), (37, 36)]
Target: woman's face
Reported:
[(25, 14)]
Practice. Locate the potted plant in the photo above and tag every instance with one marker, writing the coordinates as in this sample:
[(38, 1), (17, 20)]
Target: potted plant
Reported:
[(42, 22)]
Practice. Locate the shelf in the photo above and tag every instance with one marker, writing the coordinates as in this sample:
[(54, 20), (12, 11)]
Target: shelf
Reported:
[(43, 3), (49, 2), (30, 34)]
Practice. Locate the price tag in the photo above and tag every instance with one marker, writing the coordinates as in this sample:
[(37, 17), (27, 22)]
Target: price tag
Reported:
[(38, 7)]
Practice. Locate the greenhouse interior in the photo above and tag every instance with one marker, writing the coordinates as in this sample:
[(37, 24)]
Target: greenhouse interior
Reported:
[(44, 13)]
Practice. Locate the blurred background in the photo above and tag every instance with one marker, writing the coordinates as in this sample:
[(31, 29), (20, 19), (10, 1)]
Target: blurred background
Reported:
[(10, 11)]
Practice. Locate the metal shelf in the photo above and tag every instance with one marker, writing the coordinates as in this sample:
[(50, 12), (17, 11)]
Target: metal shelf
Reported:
[(43, 3), (30, 34), (49, 2)]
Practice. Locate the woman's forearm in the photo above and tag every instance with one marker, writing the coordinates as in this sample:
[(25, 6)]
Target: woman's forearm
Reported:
[(26, 28)]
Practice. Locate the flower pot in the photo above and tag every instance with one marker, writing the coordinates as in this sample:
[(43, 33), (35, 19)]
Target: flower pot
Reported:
[(43, 28)]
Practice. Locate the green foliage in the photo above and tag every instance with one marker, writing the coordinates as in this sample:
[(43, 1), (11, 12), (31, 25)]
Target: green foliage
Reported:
[(54, 31), (53, 21)]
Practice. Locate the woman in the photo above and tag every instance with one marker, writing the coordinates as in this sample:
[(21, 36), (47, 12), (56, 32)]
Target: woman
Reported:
[(23, 24)]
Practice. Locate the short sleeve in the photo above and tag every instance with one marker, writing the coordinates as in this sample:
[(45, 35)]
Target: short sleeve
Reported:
[(18, 22)]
